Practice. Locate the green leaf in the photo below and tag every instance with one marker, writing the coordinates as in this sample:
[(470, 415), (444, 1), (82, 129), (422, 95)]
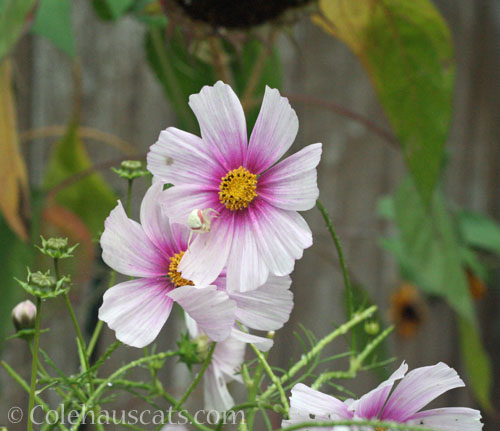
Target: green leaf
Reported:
[(13, 15), (243, 65), (90, 198), (479, 231), (111, 10), (430, 248), (405, 47), (53, 21), (180, 73), (385, 208), (477, 363)]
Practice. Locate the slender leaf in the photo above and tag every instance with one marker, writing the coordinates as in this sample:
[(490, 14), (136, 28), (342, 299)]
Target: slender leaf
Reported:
[(405, 46), (53, 21)]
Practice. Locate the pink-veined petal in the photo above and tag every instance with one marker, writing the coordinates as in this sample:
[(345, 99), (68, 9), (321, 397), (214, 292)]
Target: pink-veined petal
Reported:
[(222, 123), (448, 419), (306, 402), (418, 388), (179, 201), (179, 158), (216, 393), (156, 224), (208, 253), (228, 356), (281, 236), (292, 183), (212, 310), (370, 405), (273, 134), (127, 249), (266, 308), (246, 269), (137, 310), (262, 343)]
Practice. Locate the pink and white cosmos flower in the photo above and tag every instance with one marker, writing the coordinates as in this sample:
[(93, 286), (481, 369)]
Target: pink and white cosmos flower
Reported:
[(403, 404), (137, 309), (258, 230)]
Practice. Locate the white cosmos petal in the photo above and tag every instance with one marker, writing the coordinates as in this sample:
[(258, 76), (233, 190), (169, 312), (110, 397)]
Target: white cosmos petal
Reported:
[(222, 123), (449, 419), (137, 310), (127, 249), (274, 132), (262, 343), (266, 308), (212, 310)]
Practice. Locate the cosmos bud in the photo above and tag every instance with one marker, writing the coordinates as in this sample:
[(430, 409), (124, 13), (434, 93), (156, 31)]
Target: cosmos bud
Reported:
[(23, 315)]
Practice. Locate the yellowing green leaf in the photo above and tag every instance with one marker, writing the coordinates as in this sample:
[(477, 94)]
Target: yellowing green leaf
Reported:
[(405, 46), (13, 176), (90, 198)]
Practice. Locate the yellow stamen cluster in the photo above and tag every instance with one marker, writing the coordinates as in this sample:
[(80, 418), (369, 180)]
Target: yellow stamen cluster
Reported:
[(176, 276), (237, 189), (380, 429)]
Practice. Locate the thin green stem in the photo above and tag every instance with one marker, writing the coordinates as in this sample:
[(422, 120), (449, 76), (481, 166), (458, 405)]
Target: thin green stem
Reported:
[(100, 323), (319, 346), (198, 377), (129, 196), (34, 364), (192, 420), (343, 265), (84, 359), (273, 378), (102, 387), (11, 372)]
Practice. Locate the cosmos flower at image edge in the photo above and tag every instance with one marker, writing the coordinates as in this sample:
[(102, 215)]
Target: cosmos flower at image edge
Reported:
[(258, 230), (403, 404)]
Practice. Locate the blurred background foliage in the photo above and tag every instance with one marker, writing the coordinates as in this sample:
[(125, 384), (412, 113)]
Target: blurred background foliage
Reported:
[(442, 251)]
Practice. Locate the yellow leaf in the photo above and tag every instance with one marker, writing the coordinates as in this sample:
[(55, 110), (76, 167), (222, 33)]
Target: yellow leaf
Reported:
[(14, 202)]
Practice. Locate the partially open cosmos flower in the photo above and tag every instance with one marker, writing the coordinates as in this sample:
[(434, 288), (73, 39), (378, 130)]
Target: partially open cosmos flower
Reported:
[(402, 404), (223, 369), (137, 309), (258, 230)]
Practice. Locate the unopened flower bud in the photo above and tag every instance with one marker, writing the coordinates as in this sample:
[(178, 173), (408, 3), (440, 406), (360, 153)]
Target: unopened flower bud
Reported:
[(372, 327), (23, 315), (57, 248), (130, 169), (43, 280)]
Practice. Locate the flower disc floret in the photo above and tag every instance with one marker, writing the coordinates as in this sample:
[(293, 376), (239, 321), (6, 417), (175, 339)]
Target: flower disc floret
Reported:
[(238, 189), (176, 276)]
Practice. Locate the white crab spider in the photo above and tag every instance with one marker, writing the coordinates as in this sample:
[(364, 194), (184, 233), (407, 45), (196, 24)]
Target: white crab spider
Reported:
[(200, 221)]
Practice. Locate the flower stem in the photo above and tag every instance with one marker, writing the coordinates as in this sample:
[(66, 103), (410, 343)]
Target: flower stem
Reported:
[(81, 341), (129, 196), (273, 378), (343, 265), (319, 346), (34, 364), (198, 377)]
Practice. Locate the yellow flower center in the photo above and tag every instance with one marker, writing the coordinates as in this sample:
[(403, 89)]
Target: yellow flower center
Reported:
[(237, 189), (380, 429), (176, 276)]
